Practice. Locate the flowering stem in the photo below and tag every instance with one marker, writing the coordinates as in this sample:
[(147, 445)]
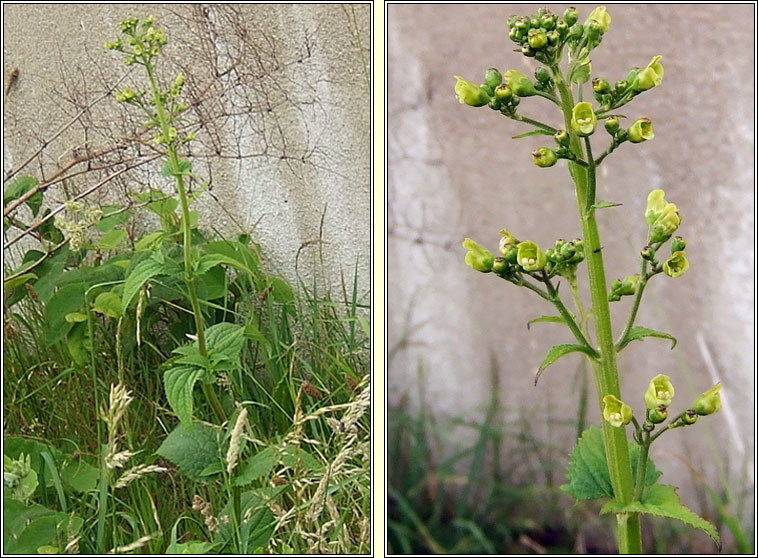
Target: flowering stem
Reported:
[(548, 96), (173, 159), (639, 488), (607, 379), (565, 314), (591, 174)]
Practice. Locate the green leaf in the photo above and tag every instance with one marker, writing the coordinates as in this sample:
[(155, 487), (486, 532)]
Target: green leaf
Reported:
[(239, 255), (112, 239), (193, 451), (281, 291), (256, 531), (26, 528), (18, 188), (66, 300), (296, 457), (79, 475), (212, 284), (558, 319), (149, 241), (20, 280), (226, 339), (78, 342), (76, 317), (108, 303), (113, 216), (535, 132), (180, 382), (662, 500), (185, 167), (638, 332), (142, 273), (207, 261), (259, 465), (587, 471), (602, 203), (557, 351)]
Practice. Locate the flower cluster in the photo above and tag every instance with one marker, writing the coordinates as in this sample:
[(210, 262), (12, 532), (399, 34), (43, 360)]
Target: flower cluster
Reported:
[(143, 41), (658, 397), (77, 220)]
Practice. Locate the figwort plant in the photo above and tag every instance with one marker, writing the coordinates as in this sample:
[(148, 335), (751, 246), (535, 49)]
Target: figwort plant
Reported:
[(603, 463)]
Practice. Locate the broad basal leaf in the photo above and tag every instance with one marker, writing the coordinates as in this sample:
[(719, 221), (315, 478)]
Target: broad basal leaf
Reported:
[(587, 471), (662, 500), (193, 451), (180, 382)]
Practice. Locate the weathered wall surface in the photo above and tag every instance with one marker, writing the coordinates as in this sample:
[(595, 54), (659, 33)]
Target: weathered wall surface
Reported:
[(285, 114), (454, 171)]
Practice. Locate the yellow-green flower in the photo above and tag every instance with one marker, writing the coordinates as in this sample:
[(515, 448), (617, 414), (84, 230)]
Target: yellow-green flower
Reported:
[(641, 130), (530, 257), (470, 93), (656, 201), (583, 119), (601, 17), (708, 402), (659, 392), (478, 257), (676, 264), (665, 225), (616, 411), (650, 76), (520, 84)]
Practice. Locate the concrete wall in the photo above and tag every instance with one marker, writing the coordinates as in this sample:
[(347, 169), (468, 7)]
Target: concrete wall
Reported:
[(454, 171), (291, 116)]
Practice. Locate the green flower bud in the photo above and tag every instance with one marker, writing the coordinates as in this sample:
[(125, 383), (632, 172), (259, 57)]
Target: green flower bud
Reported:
[(601, 85), (537, 39), (495, 103), (515, 100), (519, 83), (562, 27), (570, 16), (621, 135), (621, 86), (503, 92), (478, 257), (542, 75), (612, 124), (616, 411), (593, 32), (676, 265), (658, 414), (650, 76), (583, 119), (678, 244), (689, 416), (514, 35), (530, 257), (526, 50), (632, 75), (562, 138), (551, 255), (647, 253), (544, 157), (500, 266), (660, 392), (641, 130), (708, 402), (567, 251), (575, 33), (534, 23), (470, 94), (493, 77), (600, 17), (487, 89), (522, 24), (548, 21), (629, 284), (614, 295)]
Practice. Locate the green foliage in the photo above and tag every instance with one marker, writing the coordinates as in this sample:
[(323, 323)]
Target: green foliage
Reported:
[(587, 471), (662, 500), (192, 450), (639, 333)]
